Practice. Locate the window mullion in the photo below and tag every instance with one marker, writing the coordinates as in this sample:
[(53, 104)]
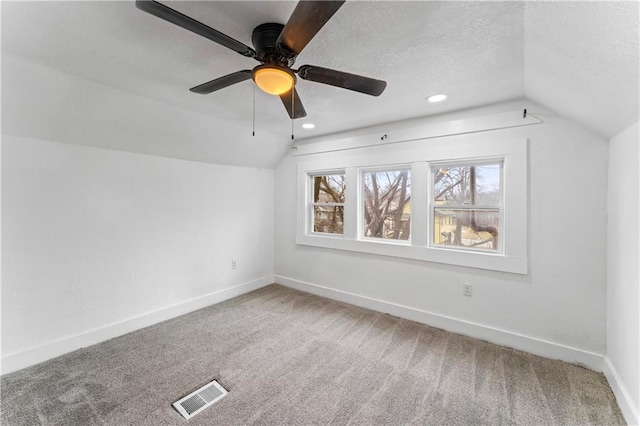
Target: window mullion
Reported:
[(351, 204), (419, 202)]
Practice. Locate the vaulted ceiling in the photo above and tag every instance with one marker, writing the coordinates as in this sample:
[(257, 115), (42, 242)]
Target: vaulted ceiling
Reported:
[(106, 74)]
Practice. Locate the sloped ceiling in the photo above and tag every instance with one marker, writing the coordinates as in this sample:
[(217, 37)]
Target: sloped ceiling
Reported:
[(581, 59), (106, 74)]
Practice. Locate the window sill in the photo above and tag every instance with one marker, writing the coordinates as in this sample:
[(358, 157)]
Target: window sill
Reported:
[(472, 259)]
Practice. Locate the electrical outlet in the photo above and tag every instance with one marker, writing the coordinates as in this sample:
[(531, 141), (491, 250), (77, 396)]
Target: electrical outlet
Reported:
[(234, 265), (467, 289)]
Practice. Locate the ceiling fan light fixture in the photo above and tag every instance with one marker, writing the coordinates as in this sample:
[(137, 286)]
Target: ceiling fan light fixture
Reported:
[(308, 126), (273, 80)]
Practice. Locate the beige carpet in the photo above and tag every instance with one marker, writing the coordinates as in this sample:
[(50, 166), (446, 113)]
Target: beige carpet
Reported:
[(292, 358)]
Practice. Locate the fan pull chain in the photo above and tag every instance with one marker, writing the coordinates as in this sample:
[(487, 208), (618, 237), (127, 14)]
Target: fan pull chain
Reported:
[(254, 110), (293, 111)]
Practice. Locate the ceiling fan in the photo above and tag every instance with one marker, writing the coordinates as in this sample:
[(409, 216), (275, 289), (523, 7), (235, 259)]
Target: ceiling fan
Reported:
[(276, 47)]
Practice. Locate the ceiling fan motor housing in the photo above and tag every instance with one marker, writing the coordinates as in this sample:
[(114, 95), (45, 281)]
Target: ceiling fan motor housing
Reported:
[(264, 39), (276, 48)]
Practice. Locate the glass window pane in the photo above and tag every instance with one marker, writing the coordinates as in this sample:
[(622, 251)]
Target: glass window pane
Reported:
[(328, 188), (468, 228), (452, 185), (328, 219), (387, 204), (488, 185)]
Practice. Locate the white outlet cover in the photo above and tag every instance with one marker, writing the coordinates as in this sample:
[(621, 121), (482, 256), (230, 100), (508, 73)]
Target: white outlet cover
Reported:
[(468, 289)]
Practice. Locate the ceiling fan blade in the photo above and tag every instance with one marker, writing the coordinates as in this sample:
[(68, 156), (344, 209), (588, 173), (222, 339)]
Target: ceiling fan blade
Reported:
[(341, 79), (222, 82), (295, 110), (170, 15), (305, 22)]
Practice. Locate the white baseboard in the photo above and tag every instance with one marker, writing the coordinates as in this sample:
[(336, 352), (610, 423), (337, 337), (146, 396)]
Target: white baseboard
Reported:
[(494, 335), (625, 402), (26, 358)]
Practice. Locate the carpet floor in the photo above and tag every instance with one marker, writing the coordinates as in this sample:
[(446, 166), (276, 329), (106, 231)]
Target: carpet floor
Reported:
[(292, 358)]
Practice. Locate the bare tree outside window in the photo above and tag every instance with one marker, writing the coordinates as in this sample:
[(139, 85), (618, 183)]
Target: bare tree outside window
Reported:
[(387, 204), (328, 203), (466, 205)]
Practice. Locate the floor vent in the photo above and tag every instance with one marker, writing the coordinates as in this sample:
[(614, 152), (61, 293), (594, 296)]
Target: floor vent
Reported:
[(197, 401)]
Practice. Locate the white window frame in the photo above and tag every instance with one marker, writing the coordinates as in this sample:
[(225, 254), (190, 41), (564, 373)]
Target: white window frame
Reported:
[(310, 203), (360, 222), (420, 155), (432, 207)]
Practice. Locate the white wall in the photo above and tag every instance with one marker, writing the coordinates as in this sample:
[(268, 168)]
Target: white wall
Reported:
[(561, 300), (94, 239), (623, 275)]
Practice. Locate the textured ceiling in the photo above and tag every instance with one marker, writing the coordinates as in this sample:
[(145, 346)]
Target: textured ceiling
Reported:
[(578, 59), (581, 60)]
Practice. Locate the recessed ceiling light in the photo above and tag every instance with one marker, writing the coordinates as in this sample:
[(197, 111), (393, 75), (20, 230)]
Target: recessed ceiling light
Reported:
[(308, 126), (436, 98)]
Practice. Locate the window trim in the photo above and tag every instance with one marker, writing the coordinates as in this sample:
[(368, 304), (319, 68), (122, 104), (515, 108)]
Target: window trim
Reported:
[(420, 154)]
